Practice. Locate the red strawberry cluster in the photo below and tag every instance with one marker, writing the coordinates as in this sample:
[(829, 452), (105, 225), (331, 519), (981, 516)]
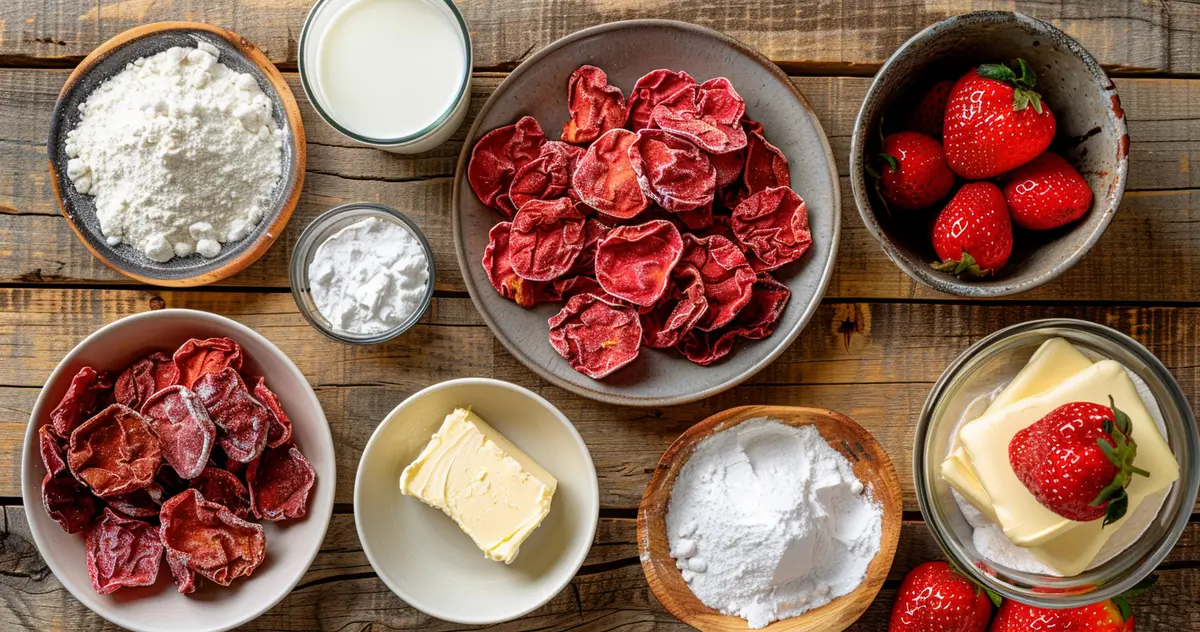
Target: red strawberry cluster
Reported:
[(995, 135)]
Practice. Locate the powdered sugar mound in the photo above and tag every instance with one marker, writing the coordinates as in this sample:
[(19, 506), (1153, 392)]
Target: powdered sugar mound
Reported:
[(766, 522), (180, 152)]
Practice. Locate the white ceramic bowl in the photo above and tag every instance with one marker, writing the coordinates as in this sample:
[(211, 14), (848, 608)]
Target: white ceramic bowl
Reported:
[(290, 548), (423, 556)]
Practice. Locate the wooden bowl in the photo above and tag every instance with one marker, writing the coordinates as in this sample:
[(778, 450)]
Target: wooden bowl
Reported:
[(110, 58), (871, 465)]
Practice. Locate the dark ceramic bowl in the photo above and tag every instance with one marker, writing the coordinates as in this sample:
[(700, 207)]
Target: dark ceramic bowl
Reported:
[(1091, 135), (538, 87), (80, 210)]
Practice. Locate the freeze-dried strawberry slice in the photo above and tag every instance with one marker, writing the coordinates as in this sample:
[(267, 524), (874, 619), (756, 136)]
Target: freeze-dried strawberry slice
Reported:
[(498, 155), (546, 238), (122, 552), (143, 503), (114, 453), (279, 431), (571, 286), (89, 392), (710, 116), (677, 312), (144, 378), (280, 482), (728, 277), (634, 263), (605, 179), (756, 321), (197, 358), (207, 539), (51, 448), (544, 178), (699, 218), (243, 421), (497, 264), (68, 502), (595, 106), (766, 166), (183, 427), (652, 89), (223, 488), (596, 336), (772, 224), (729, 167), (672, 171)]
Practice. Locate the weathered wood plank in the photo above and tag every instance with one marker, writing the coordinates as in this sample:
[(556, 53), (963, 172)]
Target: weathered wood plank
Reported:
[(873, 362), (340, 590), (36, 245), (854, 36)]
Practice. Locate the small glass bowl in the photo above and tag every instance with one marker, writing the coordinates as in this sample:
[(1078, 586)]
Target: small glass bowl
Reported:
[(994, 361), (321, 229)]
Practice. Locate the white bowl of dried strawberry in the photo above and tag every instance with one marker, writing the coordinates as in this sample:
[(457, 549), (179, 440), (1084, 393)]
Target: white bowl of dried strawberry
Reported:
[(989, 155)]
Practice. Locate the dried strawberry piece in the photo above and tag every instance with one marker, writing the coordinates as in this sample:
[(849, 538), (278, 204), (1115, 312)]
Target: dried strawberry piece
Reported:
[(595, 106), (593, 232), (766, 166), (114, 453), (544, 178), (728, 277), (51, 448), (634, 263), (756, 321), (498, 155), (183, 427), (89, 392), (751, 126), (652, 89), (698, 218), (709, 116), (545, 239), (729, 167), (122, 552), (497, 264), (279, 431), (68, 502), (207, 539), (143, 503), (605, 179), (144, 378), (672, 171), (280, 482), (772, 224), (223, 488), (596, 336), (571, 286), (197, 358), (243, 421), (677, 312)]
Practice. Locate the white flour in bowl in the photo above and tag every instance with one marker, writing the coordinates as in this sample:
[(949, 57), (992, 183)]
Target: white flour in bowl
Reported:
[(180, 153), (766, 522)]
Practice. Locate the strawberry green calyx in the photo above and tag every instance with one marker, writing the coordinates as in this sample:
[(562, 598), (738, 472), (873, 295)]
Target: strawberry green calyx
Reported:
[(966, 267), (891, 161), (1121, 452), (1023, 92)]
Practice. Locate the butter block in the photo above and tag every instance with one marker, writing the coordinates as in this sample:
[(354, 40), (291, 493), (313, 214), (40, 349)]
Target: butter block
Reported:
[(494, 492), (1024, 520)]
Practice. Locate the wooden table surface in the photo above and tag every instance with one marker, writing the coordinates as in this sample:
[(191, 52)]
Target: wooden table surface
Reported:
[(872, 351)]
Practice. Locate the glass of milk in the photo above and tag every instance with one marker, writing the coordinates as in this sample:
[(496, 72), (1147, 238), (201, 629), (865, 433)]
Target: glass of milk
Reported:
[(392, 74)]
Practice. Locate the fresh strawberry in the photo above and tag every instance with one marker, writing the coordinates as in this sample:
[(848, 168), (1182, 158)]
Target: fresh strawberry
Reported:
[(1098, 617), (913, 174), (973, 234), (995, 122), (929, 112), (1078, 460), (1046, 193), (935, 598)]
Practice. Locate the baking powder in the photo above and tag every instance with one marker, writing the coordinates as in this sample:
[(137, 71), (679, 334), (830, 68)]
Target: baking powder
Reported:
[(369, 277), (766, 522), (180, 153)]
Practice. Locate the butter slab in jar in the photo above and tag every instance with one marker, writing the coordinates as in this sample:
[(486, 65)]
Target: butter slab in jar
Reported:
[(495, 492)]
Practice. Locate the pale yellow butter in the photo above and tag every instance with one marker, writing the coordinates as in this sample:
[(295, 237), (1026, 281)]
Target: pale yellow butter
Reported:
[(493, 490)]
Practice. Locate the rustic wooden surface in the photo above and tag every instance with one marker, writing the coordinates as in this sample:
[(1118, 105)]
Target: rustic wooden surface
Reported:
[(872, 352)]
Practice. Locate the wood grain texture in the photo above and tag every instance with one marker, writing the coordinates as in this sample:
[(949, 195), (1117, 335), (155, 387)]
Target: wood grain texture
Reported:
[(853, 36)]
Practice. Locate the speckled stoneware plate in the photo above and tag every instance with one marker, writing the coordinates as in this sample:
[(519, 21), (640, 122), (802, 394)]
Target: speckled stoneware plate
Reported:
[(626, 51), (80, 210)]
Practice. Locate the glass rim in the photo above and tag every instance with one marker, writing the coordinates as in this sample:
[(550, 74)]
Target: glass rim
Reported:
[(307, 243), (461, 94), (1081, 589)]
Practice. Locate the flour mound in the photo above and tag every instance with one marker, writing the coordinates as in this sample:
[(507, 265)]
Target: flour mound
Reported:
[(180, 152), (766, 522)]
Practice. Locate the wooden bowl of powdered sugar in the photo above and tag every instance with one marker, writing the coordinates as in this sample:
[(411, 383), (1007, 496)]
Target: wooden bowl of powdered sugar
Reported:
[(772, 517), (177, 153)]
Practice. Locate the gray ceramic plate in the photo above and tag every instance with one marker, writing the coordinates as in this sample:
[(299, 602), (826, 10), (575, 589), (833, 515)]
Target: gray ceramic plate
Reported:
[(626, 51), (80, 210)]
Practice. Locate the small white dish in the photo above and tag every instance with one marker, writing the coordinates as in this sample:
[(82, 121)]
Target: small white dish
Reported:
[(423, 556), (291, 546)]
